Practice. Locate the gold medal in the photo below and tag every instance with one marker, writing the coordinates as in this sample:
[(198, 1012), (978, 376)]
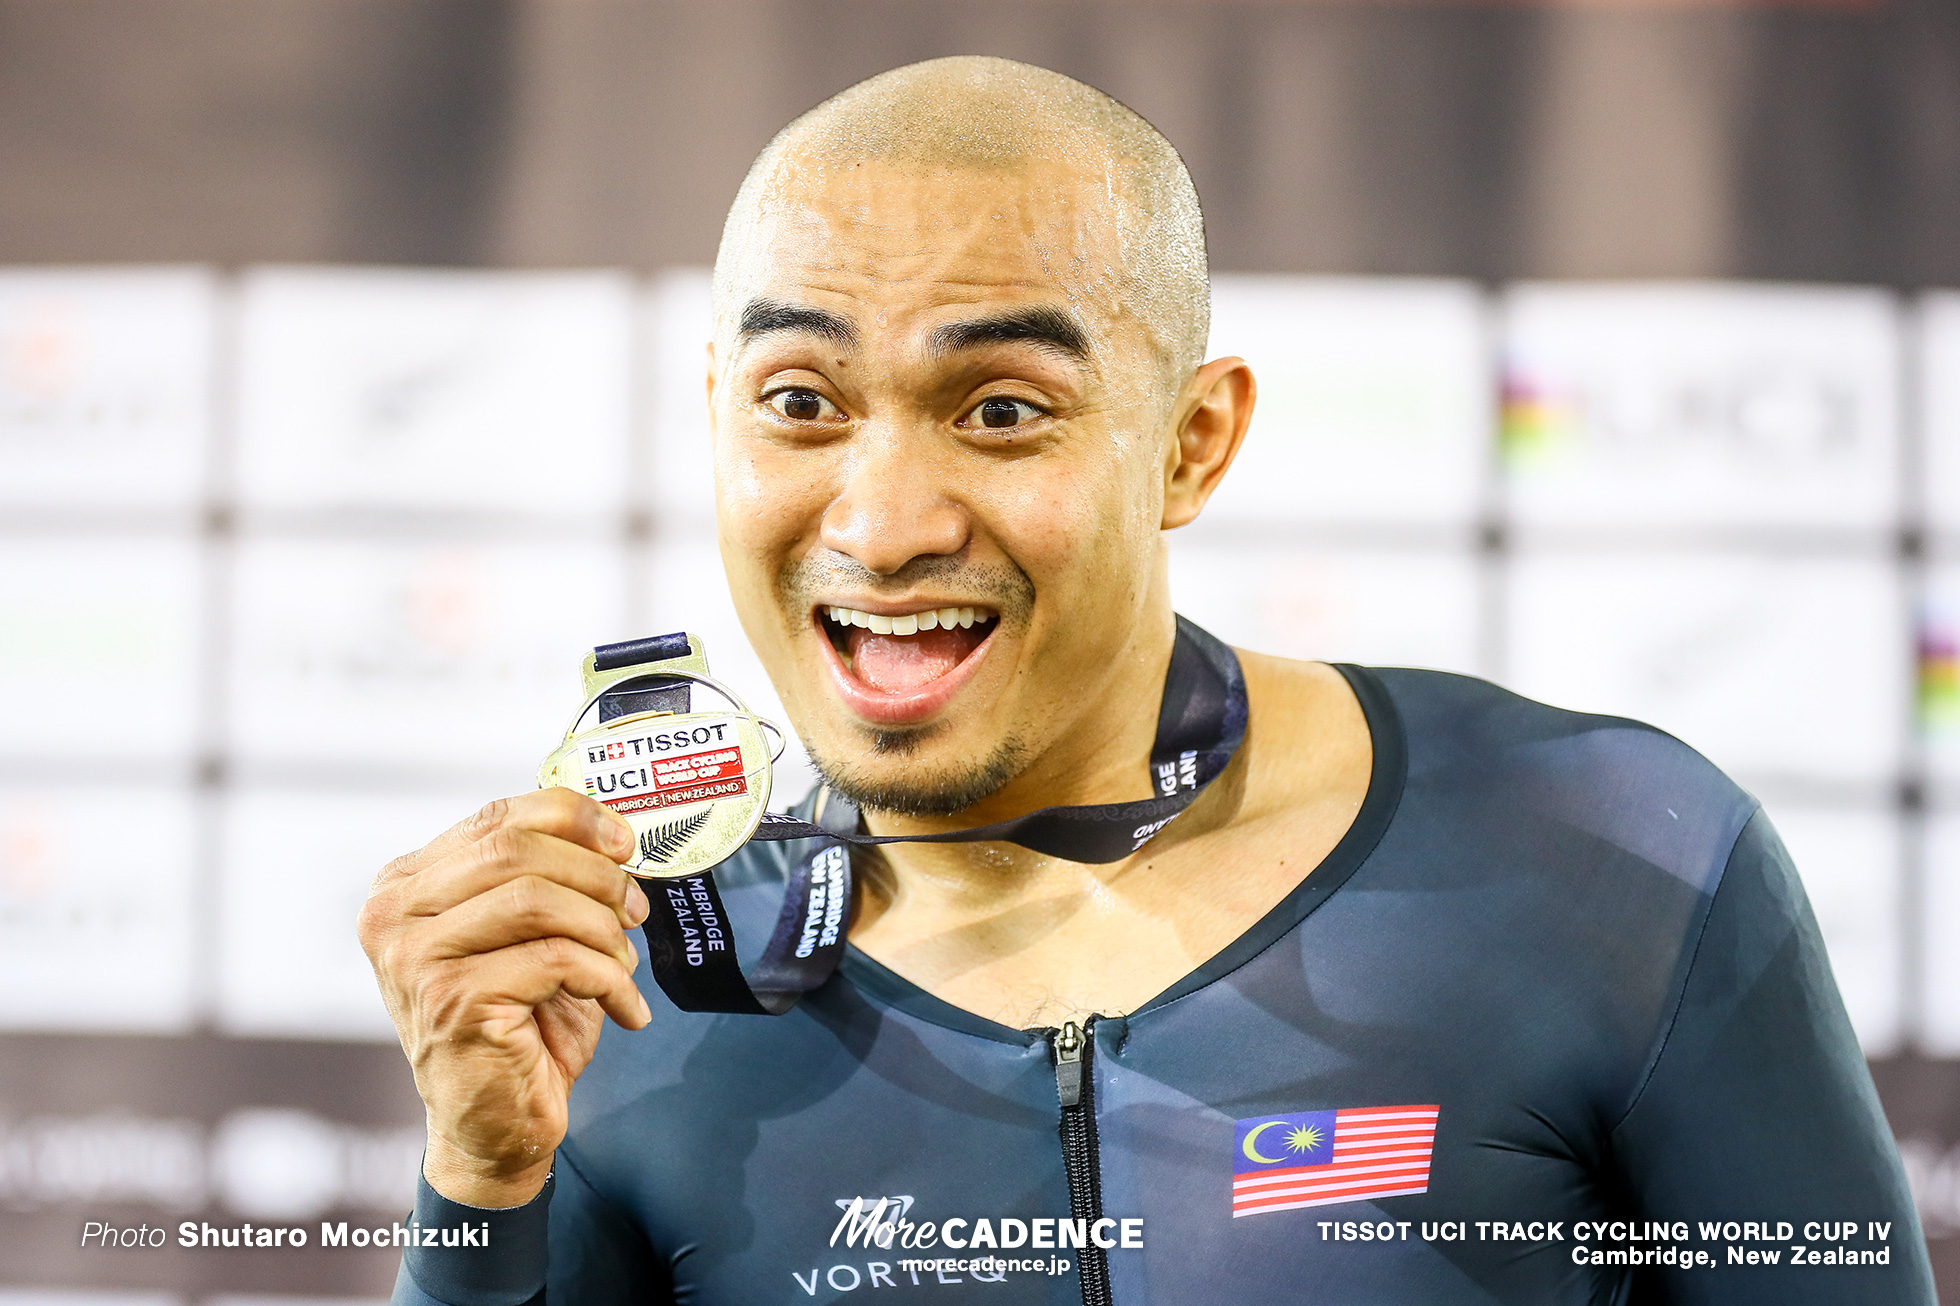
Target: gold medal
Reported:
[(693, 785)]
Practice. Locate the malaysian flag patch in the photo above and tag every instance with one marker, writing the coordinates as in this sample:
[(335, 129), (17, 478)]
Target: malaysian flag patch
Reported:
[(1318, 1158)]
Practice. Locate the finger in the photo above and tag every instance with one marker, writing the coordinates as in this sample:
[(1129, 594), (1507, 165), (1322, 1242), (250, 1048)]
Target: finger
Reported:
[(530, 973), (511, 853), (572, 817), (529, 907)]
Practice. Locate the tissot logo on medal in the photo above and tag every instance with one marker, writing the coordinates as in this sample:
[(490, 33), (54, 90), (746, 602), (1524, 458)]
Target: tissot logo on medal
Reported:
[(664, 768)]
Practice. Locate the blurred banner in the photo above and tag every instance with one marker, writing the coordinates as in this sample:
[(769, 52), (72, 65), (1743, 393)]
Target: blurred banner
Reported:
[(268, 536)]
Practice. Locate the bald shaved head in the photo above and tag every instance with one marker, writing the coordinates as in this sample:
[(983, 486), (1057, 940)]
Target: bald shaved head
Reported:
[(969, 116)]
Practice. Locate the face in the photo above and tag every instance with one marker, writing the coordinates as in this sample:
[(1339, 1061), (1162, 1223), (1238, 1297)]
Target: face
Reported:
[(940, 453)]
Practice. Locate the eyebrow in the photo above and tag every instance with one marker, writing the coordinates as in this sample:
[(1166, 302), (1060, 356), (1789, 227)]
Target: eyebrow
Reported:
[(1050, 329), (763, 316)]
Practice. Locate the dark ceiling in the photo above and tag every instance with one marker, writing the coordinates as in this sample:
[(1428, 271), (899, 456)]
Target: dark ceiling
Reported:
[(1490, 141)]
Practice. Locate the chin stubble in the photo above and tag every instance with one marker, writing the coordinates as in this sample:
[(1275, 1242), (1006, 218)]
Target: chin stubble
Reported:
[(944, 791)]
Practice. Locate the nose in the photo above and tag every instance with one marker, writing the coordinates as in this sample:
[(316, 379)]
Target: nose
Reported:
[(893, 504)]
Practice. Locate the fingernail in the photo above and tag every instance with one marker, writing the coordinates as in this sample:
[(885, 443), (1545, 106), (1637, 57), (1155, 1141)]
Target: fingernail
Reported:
[(646, 1012), (637, 905), (620, 838)]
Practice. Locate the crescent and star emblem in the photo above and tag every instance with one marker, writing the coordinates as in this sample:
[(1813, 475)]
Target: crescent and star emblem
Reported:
[(1251, 1144)]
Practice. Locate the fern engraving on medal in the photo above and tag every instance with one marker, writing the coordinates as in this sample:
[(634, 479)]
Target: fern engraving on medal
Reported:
[(661, 843)]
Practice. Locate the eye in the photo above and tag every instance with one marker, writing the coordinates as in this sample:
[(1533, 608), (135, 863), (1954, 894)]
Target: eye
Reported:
[(802, 405), (1000, 413)]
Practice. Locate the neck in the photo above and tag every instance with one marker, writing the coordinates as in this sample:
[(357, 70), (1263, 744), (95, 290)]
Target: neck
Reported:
[(1029, 941)]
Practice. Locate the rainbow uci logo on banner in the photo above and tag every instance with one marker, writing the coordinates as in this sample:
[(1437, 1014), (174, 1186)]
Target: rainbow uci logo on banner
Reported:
[(1318, 1158)]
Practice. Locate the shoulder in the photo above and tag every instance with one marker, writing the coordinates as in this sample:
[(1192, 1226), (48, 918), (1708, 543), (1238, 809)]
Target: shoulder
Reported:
[(1622, 781), (1448, 719)]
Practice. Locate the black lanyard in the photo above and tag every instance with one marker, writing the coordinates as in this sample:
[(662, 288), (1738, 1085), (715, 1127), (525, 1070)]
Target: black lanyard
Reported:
[(692, 949)]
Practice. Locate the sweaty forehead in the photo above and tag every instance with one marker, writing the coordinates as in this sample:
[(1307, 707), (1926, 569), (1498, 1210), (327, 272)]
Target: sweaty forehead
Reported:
[(901, 236)]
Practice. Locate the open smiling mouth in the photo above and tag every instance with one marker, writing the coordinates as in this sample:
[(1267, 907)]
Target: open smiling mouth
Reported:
[(901, 667)]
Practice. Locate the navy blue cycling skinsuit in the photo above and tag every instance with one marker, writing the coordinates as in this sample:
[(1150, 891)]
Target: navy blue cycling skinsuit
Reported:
[(1569, 936)]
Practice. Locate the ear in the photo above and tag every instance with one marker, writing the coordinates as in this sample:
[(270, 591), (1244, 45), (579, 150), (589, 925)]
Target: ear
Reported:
[(711, 387), (1216, 408)]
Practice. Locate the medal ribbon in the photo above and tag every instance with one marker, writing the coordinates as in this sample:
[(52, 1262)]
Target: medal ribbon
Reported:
[(692, 949)]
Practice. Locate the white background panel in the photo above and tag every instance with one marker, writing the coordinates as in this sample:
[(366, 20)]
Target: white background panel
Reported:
[(1940, 938), (1373, 405), (105, 385), (1701, 405), (687, 590), (294, 869), (1939, 382), (1386, 607), (99, 643), (474, 391), (456, 659), (680, 320), (1768, 665), (1849, 862), (96, 900)]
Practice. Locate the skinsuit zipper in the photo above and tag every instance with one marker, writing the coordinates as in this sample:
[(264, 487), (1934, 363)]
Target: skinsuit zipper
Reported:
[(1075, 1086)]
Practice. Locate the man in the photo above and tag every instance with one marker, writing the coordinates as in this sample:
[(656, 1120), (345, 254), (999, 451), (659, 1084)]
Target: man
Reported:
[(1426, 966)]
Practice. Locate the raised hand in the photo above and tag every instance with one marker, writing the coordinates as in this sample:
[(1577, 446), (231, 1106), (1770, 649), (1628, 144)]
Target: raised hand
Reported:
[(500, 948)]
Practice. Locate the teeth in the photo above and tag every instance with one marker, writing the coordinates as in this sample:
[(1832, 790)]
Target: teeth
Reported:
[(909, 624)]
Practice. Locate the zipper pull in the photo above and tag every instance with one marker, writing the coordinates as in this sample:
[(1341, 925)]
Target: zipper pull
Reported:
[(1068, 1064)]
